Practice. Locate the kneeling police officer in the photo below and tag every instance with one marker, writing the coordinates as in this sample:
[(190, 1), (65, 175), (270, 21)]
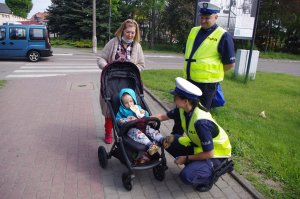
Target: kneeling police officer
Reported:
[(205, 146)]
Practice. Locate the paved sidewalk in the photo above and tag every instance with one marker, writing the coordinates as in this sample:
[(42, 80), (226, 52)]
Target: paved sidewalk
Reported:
[(50, 132)]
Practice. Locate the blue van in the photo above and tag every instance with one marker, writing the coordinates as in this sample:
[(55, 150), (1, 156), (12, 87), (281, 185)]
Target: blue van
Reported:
[(31, 41)]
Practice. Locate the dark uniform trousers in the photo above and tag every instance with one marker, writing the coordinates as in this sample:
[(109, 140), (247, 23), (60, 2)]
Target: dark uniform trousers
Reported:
[(208, 93), (195, 172)]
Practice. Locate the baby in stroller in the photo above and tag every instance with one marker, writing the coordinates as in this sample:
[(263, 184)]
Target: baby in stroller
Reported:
[(129, 110)]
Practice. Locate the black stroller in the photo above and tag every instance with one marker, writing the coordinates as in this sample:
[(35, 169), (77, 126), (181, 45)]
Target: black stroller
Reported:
[(114, 77)]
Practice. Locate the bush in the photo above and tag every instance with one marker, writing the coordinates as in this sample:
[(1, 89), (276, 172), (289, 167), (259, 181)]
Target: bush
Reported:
[(84, 43)]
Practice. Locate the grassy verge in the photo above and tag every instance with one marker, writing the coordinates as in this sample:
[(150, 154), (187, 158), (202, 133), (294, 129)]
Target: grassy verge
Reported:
[(69, 43), (266, 150), (278, 55), (2, 83), (167, 48)]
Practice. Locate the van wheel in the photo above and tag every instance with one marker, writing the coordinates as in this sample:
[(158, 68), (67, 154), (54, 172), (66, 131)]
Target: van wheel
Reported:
[(33, 56)]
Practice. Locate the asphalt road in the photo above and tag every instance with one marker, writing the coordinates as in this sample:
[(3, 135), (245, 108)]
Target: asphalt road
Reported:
[(68, 61)]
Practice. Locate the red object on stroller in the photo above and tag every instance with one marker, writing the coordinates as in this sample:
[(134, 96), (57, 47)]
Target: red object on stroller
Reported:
[(114, 77)]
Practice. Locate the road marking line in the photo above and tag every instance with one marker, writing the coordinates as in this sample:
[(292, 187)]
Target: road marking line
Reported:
[(58, 71), (54, 67), (36, 75), (163, 56), (59, 64), (68, 54), (78, 59)]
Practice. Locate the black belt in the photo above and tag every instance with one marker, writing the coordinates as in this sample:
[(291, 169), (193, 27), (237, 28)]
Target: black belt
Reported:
[(188, 67), (190, 60)]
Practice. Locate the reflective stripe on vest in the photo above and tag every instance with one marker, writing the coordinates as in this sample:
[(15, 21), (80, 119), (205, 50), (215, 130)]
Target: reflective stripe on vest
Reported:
[(207, 66), (222, 146)]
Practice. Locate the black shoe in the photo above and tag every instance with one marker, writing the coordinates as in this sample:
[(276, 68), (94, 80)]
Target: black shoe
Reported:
[(203, 188)]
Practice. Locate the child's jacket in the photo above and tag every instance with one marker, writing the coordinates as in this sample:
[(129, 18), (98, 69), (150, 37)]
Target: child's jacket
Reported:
[(124, 112)]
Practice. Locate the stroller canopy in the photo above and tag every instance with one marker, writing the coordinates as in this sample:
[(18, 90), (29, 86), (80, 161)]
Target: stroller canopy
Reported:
[(118, 75)]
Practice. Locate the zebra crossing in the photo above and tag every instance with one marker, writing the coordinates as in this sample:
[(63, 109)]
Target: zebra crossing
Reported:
[(36, 70)]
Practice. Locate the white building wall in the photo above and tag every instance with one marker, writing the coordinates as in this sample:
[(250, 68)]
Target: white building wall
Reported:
[(4, 17)]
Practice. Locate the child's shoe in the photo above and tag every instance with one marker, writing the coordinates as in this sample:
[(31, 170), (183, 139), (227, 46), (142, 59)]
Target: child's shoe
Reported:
[(152, 149), (168, 141)]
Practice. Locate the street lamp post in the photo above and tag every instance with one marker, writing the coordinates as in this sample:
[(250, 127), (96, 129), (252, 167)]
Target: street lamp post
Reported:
[(94, 28)]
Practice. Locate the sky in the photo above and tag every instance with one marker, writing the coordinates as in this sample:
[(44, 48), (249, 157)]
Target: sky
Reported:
[(38, 6)]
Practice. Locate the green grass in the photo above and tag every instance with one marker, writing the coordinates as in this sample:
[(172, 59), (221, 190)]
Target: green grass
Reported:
[(69, 43), (167, 48), (278, 55), (265, 150), (2, 83)]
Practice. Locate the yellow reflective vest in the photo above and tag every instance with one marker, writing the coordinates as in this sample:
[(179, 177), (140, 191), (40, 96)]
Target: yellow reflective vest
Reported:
[(205, 65), (222, 146)]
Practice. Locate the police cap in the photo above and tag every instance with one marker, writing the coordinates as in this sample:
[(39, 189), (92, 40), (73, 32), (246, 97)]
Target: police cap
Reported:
[(186, 89), (207, 8)]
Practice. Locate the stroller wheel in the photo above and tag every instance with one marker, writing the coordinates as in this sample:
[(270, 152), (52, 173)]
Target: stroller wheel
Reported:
[(127, 181), (159, 172), (102, 156)]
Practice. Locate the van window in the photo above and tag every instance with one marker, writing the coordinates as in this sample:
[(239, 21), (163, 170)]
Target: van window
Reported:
[(17, 33), (37, 34), (2, 33)]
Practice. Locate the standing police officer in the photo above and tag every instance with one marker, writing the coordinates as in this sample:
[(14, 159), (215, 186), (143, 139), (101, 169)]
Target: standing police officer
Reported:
[(205, 146), (209, 52)]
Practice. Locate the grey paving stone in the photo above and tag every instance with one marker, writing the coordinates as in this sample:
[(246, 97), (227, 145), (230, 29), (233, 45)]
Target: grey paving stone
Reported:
[(229, 193), (216, 192), (178, 194), (165, 195), (204, 195), (221, 184), (192, 195)]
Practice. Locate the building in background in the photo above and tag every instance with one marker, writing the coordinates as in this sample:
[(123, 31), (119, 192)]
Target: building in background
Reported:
[(6, 15), (40, 18)]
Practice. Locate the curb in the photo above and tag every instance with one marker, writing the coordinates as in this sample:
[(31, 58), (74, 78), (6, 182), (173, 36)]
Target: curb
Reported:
[(242, 181)]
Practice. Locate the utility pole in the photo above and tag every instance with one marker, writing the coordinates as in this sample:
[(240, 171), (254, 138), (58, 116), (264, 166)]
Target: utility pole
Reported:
[(109, 20), (252, 41), (228, 22), (94, 28), (196, 17)]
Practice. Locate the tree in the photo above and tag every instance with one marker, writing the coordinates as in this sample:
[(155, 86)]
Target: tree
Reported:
[(278, 26), (73, 19), (103, 19), (19, 8), (179, 19), (148, 15)]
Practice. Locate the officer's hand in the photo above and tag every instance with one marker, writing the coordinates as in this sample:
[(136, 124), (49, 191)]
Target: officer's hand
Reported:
[(180, 160)]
